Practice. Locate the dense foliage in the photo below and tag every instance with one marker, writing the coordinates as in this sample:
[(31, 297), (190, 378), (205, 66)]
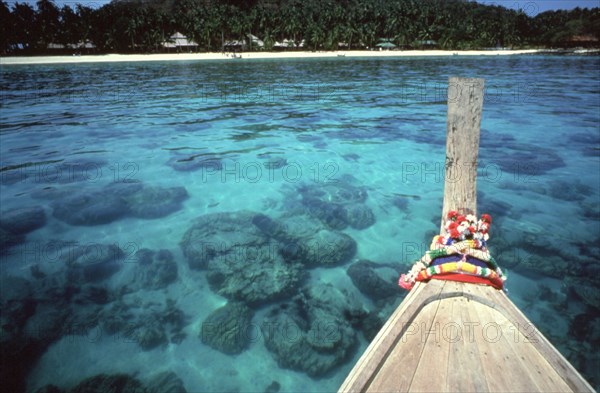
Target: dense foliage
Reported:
[(143, 25)]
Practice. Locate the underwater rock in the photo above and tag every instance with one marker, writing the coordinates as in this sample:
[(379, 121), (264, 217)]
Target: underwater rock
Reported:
[(529, 162), (194, 162), (116, 318), (272, 228), (359, 216), (364, 276), (9, 240), (401, 203), (586, 327), (227, 328), (311, 333), (17, 305), (53, 193), (20, 349), (275, 163), (146, 201), (219, 234), (242, 262), (154, 270), (14, 288), (371, 325), (585, 289), (147, 333), (496, 208), (94, 263), (255, 279), (569, 190), (324, 248), (549, 265), (18, 354), (73, 171), (337, 205), (10, 177), (149, 325), (333, 215), (521, 187), (124, 188), (351, 157), (30, 323), (339, 192), (524, 161), (115, 383), (303, 240), (115, 201), (274, 387), (589, 143), (92, 294), (156, 202), (51, 322), (165, 382), (21, 221), (89, 209), (590, 210), (50, 389)]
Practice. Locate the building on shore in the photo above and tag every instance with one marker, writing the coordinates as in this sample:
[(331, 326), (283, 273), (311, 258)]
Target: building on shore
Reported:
[(180, 43)]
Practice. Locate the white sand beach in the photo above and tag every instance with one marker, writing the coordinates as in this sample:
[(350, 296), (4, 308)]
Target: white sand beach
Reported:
[(250, 55)]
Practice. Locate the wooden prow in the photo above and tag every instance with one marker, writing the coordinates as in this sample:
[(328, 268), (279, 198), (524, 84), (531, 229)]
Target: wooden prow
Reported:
[(453, 336)]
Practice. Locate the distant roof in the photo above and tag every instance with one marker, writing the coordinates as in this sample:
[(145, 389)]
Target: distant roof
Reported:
[(178, 40)]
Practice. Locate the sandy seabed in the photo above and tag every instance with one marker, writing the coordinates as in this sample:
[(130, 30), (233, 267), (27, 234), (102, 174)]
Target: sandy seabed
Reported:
[(250, 55)]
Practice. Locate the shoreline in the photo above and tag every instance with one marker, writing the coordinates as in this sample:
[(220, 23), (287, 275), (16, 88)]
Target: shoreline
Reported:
[(25, 60)]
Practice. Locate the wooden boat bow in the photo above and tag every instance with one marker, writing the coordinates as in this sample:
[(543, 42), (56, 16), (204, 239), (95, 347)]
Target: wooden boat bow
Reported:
[(449, 336)]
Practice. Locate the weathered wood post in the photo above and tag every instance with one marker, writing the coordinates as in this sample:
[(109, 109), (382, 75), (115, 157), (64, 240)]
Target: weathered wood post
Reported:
[(465, 104)]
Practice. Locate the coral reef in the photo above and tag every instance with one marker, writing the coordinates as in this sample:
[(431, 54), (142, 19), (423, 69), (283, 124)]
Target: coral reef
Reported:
[(226, 328), (166, 382), (149, 325), (115, 201), (365, 277), (154, 270), (242, 262), (337, 204), (21, 221), (313, 332)]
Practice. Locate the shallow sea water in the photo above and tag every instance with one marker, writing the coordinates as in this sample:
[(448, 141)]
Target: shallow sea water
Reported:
[(265, 129)]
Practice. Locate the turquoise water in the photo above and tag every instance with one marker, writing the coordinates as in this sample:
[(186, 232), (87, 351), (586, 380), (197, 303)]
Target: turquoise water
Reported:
[(115, 162)]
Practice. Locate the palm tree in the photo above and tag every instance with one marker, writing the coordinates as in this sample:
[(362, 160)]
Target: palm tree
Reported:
[(47, 22), (24, 26), (6, 32), (70, 31)]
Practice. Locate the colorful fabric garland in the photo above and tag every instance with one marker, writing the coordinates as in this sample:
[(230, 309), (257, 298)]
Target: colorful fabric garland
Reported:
[(465, 240)]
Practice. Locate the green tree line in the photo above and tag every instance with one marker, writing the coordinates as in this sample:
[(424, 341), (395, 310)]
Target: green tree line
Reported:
[(141, 26)]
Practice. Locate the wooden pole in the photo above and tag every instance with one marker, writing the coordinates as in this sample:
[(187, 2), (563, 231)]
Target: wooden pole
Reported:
[(465, 104)]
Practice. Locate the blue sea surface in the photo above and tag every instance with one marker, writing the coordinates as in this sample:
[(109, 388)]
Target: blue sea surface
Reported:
[(241, 225)]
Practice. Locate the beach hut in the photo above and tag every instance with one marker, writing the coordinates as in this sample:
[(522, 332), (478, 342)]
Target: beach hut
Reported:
[(179, 42), (256, 41), (385, 43)]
